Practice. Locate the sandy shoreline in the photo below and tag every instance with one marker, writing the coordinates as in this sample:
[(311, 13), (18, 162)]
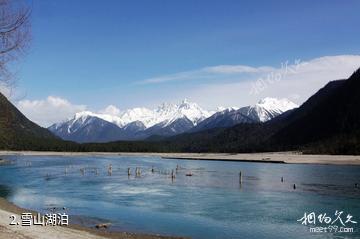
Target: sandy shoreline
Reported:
[(278, 157), (56, 232)]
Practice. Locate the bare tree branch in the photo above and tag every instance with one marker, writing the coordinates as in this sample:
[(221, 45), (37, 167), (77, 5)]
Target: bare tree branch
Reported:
[(14, 35)]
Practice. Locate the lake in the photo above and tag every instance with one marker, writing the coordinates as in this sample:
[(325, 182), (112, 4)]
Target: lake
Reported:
[(209, 204)]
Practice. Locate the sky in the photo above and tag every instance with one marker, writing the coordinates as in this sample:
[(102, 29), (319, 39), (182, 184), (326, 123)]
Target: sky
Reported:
[(92, 54)]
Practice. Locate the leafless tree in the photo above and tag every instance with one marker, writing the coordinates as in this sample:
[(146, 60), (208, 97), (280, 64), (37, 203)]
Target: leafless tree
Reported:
[(14, 35)]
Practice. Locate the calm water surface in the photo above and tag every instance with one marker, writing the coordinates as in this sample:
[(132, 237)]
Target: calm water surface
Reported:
[(210, 204)]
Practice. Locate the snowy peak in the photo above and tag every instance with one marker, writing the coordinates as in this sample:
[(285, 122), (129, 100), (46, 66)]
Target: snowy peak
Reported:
[(192, 111), (167, 113), (276, 104), (269, 108), (221, 108), (82, 116), (143, 115), (167, 119), (266, 109), (166, 107)]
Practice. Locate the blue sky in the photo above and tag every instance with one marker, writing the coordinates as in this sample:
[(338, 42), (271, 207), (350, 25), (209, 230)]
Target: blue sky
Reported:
[(97, 53)]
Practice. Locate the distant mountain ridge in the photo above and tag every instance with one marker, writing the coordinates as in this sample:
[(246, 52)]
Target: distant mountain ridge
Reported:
[(266, 109), (166, 120), (327, 123), (92, 128)]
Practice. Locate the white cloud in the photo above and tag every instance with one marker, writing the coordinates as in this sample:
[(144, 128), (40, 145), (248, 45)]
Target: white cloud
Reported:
[(239, 85), (230, 85), (207, 73), (48, 111), (186, 75), (244, 85), (233, 69)]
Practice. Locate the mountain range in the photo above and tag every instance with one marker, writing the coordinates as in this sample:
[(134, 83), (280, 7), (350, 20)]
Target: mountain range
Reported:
[(266, 109), (166, 120), (327, 123)]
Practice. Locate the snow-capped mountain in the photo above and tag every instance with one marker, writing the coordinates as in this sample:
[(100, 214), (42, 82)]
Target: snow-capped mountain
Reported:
[(143, 115), (268, 108), (166, 120), (166, 112), (137, 123), (86, 128), (170, 128), (169, 113), (264, 110)]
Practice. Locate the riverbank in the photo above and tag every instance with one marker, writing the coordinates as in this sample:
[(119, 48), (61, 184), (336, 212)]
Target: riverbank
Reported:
[(278, 157), (60, 232), (281, 157)]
